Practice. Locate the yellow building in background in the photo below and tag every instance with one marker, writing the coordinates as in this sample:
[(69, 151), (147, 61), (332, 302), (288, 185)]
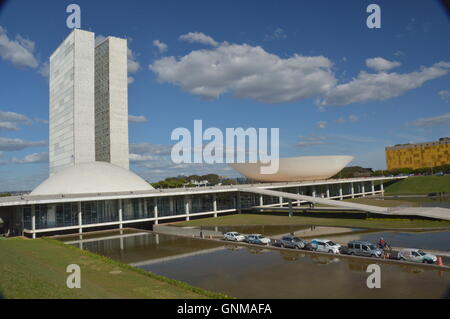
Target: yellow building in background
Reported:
[(429, 154)]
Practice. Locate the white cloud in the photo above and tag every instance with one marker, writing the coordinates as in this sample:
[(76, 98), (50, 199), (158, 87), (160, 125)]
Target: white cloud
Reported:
[(137, 118), (321, 124), (44, 69), (18, 51), (162, 47), (133, 64), (32, 158), (444, 95), (198, 37), (443, 119), (380, 64), (17, 144), (382, 86), (248, 72), (9, 121), (141, 158)]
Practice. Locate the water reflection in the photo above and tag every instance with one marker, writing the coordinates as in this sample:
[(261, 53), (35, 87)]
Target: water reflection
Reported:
[(265, 273)]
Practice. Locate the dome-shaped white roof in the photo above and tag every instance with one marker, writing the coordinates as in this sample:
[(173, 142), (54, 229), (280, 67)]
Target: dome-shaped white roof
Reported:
[(92, 177)]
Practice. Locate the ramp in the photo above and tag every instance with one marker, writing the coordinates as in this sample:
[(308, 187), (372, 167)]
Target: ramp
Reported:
[(430, 212)]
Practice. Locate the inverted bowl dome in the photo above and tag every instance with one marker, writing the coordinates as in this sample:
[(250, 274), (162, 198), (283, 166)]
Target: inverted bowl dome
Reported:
[(92, 177), (294, 169)]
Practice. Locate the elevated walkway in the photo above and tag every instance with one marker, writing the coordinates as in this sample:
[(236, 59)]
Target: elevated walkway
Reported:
[(430, 212)]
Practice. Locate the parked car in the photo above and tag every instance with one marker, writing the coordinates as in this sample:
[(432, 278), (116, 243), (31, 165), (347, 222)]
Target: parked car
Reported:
[(416, 255), (233, 236), (258, 239), (363, 248), (292, 242), (326, 246)]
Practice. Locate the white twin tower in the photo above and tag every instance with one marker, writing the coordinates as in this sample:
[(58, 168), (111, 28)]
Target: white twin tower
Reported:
[(88, 102)]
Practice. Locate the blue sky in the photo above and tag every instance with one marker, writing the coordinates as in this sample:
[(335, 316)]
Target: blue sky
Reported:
[(311, 68)]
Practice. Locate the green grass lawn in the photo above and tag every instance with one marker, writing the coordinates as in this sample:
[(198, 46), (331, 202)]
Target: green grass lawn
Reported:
[(37, 269), (420, 185), (274, 219)]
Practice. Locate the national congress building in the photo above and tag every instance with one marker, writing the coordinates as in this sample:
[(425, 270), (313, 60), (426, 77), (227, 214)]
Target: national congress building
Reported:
[(90, 185)]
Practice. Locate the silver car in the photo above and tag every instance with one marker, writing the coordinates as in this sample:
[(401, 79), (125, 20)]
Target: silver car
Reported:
[(363, 248), (292, 242)]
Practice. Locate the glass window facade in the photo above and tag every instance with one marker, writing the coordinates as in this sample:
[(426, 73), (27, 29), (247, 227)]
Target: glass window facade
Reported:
[(95, 212)]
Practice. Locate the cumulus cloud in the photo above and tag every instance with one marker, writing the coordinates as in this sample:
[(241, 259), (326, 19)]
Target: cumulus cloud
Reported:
[(17, 144), (19, 51), (444, 95), (198, 37), (380, 64), (248, 72), (9, 121), (382, 86), (443, 119), (137, 118), (133, 64), (162, 47)]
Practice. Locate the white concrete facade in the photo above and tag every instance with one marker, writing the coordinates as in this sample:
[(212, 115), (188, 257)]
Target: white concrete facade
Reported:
[(111, 102), (71, 90)]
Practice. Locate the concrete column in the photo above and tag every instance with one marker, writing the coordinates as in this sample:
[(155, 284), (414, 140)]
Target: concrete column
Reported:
[(290, 208), (80, 219), (120, 214), (363, 189), (215, 204), (373, 188), (341, 195), (261, 201), (382, 188), (298, 193), (314, 191), (238, 204), (33, 221), (352, 190), (186, 206), (155, 210), (328, 191)]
